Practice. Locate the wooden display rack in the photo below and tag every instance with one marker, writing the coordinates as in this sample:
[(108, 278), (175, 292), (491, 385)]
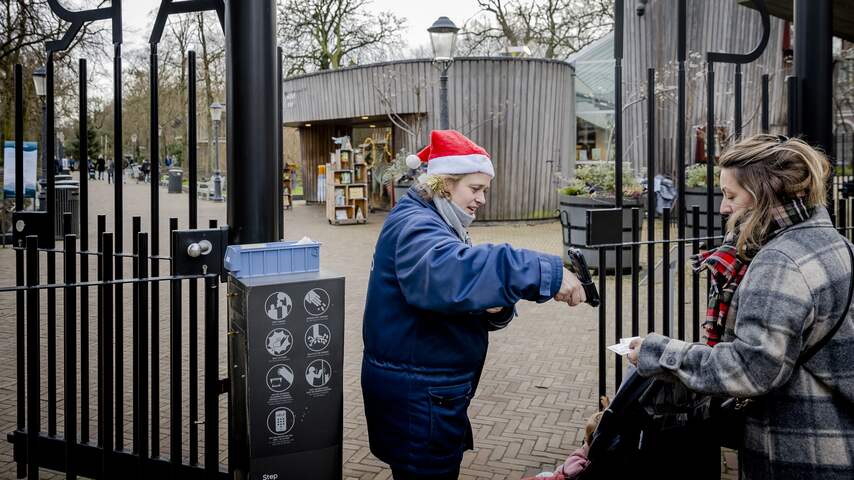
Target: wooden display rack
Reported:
[(346, 189)]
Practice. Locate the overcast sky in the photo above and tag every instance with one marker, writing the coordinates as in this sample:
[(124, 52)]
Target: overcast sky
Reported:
[(419, 14)]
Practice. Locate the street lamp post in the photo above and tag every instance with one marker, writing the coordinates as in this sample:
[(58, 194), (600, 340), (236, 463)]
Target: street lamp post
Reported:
[(134, 138), (39, 79), (443, 38), (216, 115), (60, 137), (160, 142)]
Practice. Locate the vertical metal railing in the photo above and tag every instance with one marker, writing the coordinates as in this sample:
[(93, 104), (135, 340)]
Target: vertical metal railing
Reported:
[(70, 357), (141, 398), (136, 228), (650, 207), (667, 275), (636, 223), (84, 250), (155, 261), (20, 306), (666, 303), (118, 230), (33, 357), (39, 442), (193, 318), (106, 353), (175, 387), (681, 207), (618, 177), (50, 168)]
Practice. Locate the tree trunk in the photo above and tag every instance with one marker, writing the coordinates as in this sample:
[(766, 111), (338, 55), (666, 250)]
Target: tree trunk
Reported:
[(206, 62)]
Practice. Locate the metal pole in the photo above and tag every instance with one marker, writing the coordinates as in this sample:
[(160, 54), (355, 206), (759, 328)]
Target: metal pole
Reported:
[(682, 209), (618, 105), (814, 68), (765, 123), (710, 153), (217, 176), (250, 29), (737, 120), (444, 124), (43, 203)]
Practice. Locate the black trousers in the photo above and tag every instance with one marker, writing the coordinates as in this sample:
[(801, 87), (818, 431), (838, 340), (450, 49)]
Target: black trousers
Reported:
[(400, 474)]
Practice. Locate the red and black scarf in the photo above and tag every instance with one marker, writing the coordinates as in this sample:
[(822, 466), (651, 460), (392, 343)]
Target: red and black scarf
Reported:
[(728, 268)]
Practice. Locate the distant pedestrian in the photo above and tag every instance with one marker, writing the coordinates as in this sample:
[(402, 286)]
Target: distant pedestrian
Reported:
[(111, 171), (101, 165)]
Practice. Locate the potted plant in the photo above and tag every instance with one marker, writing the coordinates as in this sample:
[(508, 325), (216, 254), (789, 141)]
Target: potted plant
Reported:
[(399, 175), (594, 187), (696, 193)]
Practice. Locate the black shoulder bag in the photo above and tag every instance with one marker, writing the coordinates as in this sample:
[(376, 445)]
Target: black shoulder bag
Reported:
[(728, 417)]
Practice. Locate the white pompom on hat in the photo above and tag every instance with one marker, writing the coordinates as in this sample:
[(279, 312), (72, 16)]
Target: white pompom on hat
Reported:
[(451, 153), (413, 162)]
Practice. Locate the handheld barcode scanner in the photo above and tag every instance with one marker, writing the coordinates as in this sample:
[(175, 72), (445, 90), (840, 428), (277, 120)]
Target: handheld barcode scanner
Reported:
[(578, 266)]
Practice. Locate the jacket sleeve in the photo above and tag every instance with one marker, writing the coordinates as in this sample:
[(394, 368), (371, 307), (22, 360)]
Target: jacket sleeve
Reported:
[(774, 305), (436, 271)]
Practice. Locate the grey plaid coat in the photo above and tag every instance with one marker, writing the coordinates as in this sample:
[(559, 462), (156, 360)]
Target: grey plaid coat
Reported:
[(802, 425)]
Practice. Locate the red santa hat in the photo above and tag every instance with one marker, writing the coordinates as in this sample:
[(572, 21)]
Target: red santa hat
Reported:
[(451, 153)]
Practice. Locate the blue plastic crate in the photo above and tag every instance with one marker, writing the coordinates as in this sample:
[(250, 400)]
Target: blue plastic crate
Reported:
[(275, 258)]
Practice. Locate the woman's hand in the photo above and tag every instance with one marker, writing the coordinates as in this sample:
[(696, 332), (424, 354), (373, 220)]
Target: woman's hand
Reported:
[(494, 309), (571, 291), (634, 349)]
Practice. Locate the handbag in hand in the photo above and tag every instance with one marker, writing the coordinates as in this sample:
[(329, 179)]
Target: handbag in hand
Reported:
[(729, 416)]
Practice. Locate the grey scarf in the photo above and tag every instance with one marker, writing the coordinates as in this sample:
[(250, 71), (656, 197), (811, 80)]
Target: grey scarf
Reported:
[(454, 216)]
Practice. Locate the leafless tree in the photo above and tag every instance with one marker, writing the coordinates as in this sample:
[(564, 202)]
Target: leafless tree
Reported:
[(25, 26), (212, 43), (549, 28), (328, 34)]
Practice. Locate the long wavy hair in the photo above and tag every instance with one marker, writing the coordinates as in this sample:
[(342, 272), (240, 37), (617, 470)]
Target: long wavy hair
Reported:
[(773, 169)]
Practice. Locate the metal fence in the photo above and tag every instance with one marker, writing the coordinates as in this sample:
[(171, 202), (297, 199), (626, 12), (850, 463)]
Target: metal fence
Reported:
[(86, 431), (677, 307), (106, 450)]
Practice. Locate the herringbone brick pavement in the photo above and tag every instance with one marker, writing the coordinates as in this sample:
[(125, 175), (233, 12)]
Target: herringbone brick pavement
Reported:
[(538, 388)]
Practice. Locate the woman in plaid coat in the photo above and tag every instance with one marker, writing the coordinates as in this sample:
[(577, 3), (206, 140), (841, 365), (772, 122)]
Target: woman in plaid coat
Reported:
[(781, 283)]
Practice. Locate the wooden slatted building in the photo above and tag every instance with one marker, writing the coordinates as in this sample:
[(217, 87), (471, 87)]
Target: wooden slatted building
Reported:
[(712, 25), (520, 110)]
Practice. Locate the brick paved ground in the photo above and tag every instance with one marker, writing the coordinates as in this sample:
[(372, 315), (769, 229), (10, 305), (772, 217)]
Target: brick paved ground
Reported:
[(539, 384)]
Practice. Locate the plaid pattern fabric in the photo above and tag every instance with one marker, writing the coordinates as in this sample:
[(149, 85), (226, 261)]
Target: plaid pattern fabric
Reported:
[(727, 272), (728, 269)]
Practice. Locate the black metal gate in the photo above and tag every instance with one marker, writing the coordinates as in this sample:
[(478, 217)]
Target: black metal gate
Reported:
[(682, 320), (106, 444)]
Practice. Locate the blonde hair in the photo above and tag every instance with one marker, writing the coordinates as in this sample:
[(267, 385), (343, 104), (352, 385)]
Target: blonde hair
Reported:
[(590, 427), (593, 421), (437, 185), (773, 169)]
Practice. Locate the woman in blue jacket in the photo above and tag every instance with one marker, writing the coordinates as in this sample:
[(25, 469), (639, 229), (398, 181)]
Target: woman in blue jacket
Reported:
[(432, 299)]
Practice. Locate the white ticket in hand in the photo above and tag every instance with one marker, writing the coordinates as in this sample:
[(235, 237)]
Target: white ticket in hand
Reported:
[(622, 348)]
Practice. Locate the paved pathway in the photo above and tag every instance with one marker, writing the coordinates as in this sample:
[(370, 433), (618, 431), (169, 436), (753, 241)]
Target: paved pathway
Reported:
[(539, 384)]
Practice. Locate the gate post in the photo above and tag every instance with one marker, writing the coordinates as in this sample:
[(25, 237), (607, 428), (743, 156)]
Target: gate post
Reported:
[(252, 106), (814, 69), (814, 66)]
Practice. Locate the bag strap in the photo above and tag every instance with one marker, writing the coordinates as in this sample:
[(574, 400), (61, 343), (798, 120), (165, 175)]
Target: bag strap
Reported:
[(808, 354)]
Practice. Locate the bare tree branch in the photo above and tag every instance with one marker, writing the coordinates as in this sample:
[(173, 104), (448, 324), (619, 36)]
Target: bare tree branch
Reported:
[(329, 34), (549, 28)]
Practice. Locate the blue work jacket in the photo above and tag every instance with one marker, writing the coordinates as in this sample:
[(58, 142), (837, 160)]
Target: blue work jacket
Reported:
[(425, 331)]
